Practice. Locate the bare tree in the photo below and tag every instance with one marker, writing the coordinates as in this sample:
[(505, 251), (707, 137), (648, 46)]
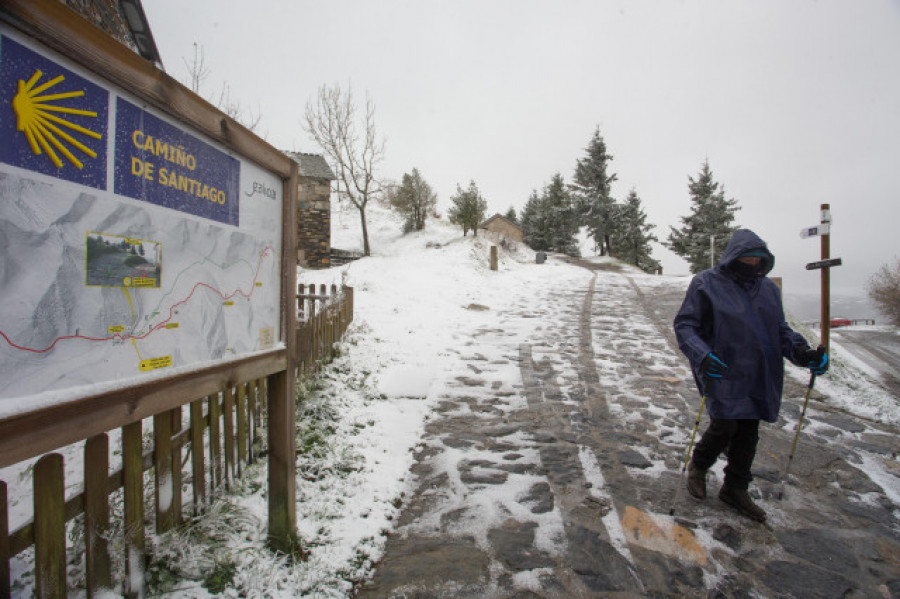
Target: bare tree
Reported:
[(197, 69), (884, 289), (198, 72), (233, 108), (332, 122)]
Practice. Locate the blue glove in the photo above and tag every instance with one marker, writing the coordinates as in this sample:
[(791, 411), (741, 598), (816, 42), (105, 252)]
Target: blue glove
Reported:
[(814, 359), (713, 367)]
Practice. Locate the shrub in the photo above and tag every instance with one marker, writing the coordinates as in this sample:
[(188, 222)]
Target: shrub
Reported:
[(884, 289)]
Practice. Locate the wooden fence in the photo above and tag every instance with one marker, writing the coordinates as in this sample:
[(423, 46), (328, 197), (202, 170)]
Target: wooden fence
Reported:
[(323, 319), (222, 432)]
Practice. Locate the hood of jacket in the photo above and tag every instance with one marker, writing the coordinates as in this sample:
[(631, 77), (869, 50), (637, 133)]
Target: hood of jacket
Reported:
[(745, 240)]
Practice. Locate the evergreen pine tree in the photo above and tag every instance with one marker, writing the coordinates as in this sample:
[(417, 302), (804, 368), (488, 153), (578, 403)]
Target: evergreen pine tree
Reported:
[(511, 215), (533, 224), (561, 217), (633, 245), (550, 220), (468, 208), (592, 187), (711, 216), (414, 199)]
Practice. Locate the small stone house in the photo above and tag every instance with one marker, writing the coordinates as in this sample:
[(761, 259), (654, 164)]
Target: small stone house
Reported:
[(503, 227), (313, 210)]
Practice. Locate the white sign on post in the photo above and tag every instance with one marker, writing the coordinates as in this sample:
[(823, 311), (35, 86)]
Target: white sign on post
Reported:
[(823, 229)]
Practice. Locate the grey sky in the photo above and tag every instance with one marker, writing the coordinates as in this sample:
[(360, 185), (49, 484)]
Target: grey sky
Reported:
[(794, 102)]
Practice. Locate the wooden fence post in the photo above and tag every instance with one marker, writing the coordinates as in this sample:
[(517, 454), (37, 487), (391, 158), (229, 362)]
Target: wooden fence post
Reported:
[(350, 304), (323, 330), (49, 527), (282, 472), (198, 466), (228, 433), (252, 421), (215, 442), (133, 478), (96, 514), (162, 462), (176, 465), (241, 427), (4, 542), (335, 312), (300, 301)]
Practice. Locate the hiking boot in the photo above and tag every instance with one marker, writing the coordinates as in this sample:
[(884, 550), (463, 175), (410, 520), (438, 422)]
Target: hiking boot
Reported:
[(696, 481), (740, 500)]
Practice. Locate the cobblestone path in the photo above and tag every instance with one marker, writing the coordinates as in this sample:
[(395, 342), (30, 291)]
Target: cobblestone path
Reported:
[(551, 464)]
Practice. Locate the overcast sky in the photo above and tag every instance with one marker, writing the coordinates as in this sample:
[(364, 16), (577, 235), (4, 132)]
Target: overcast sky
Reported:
[(794, 103)]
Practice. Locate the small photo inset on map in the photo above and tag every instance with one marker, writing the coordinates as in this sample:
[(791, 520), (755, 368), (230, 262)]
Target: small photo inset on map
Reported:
[(117, 261)]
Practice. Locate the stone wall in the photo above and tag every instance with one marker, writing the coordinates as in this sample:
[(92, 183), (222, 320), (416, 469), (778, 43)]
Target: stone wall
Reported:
[(106, 15), (314, 223)]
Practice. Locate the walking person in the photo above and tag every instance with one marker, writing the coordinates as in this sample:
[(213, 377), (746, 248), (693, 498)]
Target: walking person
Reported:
[(732, 329)]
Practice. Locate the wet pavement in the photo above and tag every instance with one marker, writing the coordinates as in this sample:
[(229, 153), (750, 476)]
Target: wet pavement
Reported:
[(880, 350), (561, 483)]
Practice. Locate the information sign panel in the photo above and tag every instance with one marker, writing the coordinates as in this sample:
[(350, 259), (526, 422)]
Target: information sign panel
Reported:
[(134, 246)]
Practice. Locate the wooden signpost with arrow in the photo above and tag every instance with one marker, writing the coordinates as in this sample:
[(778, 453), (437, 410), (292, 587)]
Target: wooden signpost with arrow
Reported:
[(823, 230)]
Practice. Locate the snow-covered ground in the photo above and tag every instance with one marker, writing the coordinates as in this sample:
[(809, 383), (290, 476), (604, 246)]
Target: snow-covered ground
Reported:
[(361, 420)]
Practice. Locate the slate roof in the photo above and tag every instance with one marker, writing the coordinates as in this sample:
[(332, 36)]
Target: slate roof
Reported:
[(313, 166)]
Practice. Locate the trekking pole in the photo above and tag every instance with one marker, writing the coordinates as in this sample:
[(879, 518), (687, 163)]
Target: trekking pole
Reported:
[(687, 458), (812, 381)]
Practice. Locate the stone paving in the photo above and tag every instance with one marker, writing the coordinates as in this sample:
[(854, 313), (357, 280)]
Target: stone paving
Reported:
[(574, 464)]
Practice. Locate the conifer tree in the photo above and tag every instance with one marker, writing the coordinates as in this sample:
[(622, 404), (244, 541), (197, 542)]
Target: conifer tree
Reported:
[(562, 220), (633, 245), (550, 221), (414, 199), (533, 223), (592, 186), (711, 216), (511, 215), (468, 208)]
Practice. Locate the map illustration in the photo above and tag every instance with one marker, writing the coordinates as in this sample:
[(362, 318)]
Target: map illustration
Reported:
[(68, 319)]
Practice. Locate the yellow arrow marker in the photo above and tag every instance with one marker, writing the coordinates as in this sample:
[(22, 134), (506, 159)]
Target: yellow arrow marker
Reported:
[(665, 537)]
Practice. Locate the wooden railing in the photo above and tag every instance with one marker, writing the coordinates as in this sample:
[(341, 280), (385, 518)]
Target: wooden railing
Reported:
[(221, 431), (323, 319)]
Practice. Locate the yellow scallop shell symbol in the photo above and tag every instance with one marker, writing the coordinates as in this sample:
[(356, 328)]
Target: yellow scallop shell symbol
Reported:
[(36, 119)]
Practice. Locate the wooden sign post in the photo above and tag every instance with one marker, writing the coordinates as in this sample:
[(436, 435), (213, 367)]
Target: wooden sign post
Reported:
[(823, 230), (826, 277)]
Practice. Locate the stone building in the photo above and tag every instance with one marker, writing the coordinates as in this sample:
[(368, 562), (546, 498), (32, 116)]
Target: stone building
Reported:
[(122, 19), (503, 227), (313, 210)]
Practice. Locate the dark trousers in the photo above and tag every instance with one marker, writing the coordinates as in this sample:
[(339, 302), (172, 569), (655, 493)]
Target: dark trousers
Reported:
[(737, 439)]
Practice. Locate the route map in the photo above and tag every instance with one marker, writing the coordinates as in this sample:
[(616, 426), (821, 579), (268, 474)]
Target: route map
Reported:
[(217, 297)]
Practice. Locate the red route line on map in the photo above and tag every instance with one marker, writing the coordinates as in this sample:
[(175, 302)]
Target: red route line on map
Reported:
[(159, 325)]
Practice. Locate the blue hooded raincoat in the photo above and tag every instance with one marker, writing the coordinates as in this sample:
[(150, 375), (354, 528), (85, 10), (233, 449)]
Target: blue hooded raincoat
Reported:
[(742, 321)]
